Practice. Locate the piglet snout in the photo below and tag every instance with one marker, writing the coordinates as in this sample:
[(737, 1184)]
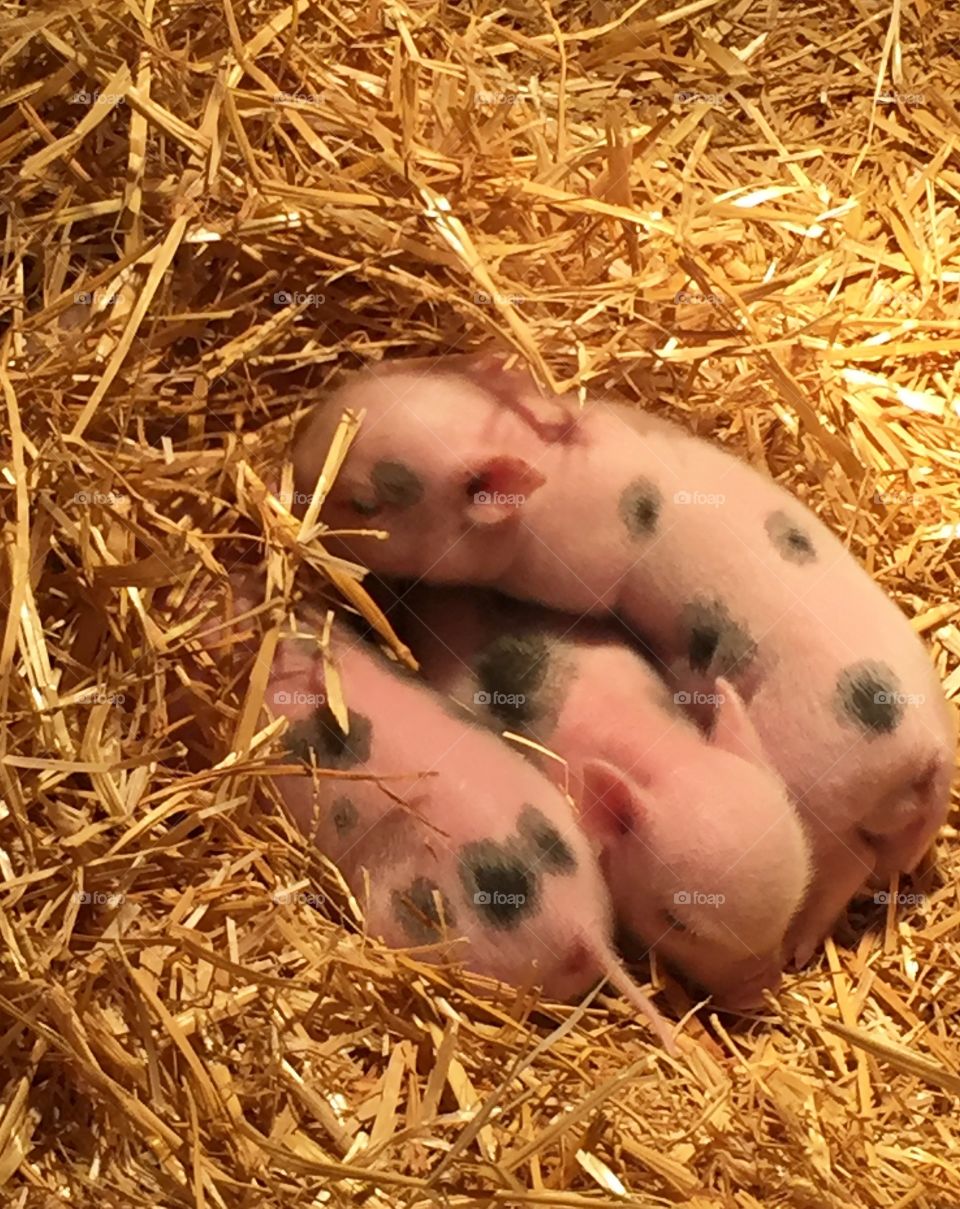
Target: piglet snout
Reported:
[(748, 991)]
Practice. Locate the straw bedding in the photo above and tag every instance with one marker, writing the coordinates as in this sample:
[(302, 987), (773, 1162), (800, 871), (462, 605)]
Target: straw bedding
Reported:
[(743, 215)]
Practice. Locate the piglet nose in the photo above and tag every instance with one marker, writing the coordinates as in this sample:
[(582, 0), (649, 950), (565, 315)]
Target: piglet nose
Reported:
[(748, 993)]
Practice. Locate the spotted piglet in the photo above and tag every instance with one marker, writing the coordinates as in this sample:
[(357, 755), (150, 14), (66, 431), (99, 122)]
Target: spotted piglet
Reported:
[(705, 858), (447, 837), (721, 571)]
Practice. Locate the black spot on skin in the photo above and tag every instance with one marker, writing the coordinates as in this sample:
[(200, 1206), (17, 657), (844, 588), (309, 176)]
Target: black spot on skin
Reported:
[(553, 851), (416, 910), (511, 671), (321, 734), (499, 883), (868, 694), (715, 642), (640, 504), (395, 483), (793, 542), (344, 815)]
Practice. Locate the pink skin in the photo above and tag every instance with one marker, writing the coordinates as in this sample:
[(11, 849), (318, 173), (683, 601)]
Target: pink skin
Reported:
[(452, 784), (872, 799), (673, 812)]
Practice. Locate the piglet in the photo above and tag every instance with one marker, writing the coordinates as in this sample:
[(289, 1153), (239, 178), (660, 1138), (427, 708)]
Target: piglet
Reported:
[(448, 837), (720, 571), (704, 856)]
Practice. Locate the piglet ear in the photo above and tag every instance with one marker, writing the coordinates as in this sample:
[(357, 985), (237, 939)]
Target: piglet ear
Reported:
[(499, 487), (732, 729), (612, 803), (552, 419)]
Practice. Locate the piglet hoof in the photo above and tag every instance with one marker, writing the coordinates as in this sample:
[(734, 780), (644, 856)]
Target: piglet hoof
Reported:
[(802, 952)]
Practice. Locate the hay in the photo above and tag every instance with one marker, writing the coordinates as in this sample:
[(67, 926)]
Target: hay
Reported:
[(744, 216)]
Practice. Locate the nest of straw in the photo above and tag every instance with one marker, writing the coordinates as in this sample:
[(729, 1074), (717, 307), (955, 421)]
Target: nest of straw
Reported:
[(742, 215)]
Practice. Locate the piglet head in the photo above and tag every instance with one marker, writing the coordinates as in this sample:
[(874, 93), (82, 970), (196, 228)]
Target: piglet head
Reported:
[(430, 466), (706, 862)]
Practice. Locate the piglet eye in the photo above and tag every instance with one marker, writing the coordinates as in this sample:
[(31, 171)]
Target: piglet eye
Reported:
[(674, 922), (366, 508)]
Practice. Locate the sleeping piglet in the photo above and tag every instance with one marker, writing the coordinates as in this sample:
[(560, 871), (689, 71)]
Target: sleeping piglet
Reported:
[(721, 571), (450, 839), (703, 853)]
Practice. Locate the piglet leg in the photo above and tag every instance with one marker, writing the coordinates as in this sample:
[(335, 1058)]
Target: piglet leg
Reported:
[(841, 866)]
